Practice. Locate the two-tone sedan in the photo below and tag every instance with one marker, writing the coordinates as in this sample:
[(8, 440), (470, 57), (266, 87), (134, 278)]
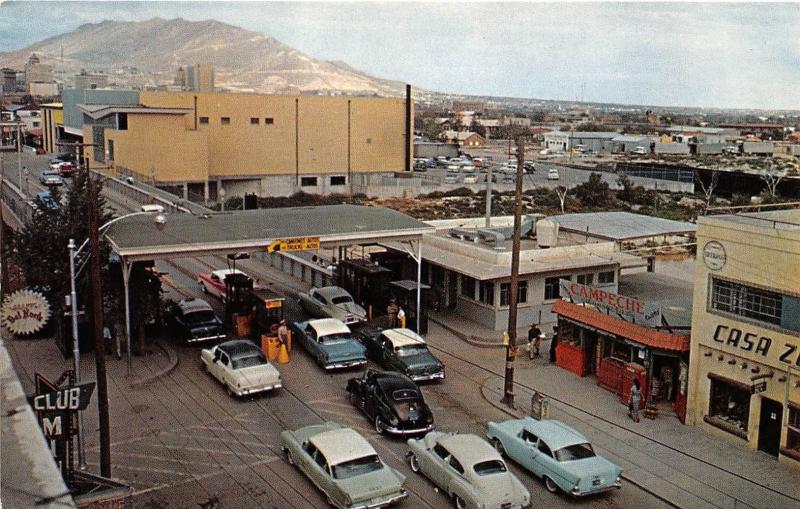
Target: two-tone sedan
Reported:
[(194, 321), (468, 470), (332, 302), (330, 343), (344, 466), (214, 282), (402, 350), (557, 453), (392, 401), (241, 367)]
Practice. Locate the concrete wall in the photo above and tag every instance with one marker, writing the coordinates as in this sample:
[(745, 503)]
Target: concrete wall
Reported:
[(758, 147), (709, 148), (429, 150), (671, 148)]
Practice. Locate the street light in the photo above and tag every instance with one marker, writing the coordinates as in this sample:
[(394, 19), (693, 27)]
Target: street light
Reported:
[(159, 220)]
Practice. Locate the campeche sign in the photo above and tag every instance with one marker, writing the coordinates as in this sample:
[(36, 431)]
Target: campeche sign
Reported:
[(630, 309)]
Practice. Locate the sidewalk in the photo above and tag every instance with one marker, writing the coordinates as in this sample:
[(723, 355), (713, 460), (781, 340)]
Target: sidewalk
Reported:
[(682, 465)]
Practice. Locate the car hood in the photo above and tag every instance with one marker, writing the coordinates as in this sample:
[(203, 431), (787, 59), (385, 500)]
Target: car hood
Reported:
[(343, 350), (498, 489), (385, 482), (419, 362), (257, 375)]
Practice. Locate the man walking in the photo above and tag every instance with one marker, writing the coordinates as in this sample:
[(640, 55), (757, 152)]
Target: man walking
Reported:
[(391, 310)]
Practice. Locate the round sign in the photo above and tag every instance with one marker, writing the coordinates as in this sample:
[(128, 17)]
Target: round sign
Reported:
[(24, 312), (714, 255)]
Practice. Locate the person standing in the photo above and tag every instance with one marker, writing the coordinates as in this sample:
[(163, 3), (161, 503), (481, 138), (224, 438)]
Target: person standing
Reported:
[(283, 333), (391, 310), (553, 345), (636, 399), (534, 339)]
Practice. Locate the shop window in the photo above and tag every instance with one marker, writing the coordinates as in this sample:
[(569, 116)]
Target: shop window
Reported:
[(254, 120), (203, 120), (225, 120), (617, 350), (486, 293), (551, 288), (793, 431), (467, 287), (585, 279), (269, 121), (308, 181), (729, 407), (338, 180), (505, 293), (742, 300), (606, 278)]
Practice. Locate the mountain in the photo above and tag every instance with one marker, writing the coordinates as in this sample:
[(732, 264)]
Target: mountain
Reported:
[(157, 47)]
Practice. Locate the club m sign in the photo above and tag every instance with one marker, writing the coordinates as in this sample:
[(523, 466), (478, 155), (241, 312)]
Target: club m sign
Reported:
[(630, 309)]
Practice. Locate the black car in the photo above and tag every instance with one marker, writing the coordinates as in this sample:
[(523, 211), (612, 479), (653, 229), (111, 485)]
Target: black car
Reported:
[(392, 401), (194, 321)]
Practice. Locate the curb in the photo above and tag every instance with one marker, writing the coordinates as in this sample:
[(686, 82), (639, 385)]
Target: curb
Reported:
[(173, 363), (472, 340), (516, 413)]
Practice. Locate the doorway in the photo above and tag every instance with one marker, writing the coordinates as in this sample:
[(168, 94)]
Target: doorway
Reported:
[(769, 426)]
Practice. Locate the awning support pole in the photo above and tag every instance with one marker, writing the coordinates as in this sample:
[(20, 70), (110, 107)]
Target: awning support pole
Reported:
[(126, 276)]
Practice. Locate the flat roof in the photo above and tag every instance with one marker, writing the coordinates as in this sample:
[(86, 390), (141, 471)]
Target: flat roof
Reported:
[(773, 219), (673, 295), (138, 238), (619, 226), (97, 111)]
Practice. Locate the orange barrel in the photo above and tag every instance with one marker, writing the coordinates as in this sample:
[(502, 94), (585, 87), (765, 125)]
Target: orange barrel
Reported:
[(289, 341), (273, 348), (265, 345)]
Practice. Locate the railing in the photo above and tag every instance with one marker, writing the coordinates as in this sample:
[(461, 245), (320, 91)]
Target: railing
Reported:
[(141, 193), (19, 205)]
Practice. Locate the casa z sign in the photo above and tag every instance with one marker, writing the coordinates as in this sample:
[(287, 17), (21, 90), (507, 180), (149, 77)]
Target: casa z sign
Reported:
[(57, 406)]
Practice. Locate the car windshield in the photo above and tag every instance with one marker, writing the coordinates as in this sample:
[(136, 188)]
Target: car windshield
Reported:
[(489, 467), (335, 338), (248, 362), (575, 452), (199, 317), (342, 299), (405, 395), (409, 350), (356, 467)]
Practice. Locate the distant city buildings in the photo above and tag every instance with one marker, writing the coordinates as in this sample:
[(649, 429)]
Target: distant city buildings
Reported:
[(39, 79), (88, 80), (196, 78)]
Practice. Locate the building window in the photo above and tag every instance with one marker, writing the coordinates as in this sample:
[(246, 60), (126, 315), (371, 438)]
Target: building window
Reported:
[(605, 278), (269, 121), (254, 120), (742, 300), (729, 406), (467, 287), (122, 121), (36, 124), (308, 181), (551, 288), (587, 279), (505, 293), (486, 292), (203, 120), (338, 180), (793, 430), (225, 120)]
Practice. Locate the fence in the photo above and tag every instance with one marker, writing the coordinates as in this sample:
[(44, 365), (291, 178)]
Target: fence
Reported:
[(20, 206), (141, 193)]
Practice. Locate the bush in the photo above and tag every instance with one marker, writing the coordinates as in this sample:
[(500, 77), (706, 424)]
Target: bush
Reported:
[(595, 193), (739, 199), (461, 191)]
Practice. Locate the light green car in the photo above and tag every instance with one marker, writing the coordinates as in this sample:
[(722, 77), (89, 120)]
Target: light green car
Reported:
[(344, 466)]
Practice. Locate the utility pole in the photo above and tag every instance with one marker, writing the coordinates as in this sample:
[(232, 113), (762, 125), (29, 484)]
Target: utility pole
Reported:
[(489, 197), (511, 347), (97, 318), (19, 156), (3, 262)]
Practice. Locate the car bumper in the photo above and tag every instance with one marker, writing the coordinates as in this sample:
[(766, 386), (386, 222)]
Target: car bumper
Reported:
[(201, 339), (411, 431), (382, 503), (425, 378), (595, 491), (346, 364), (247, 391)]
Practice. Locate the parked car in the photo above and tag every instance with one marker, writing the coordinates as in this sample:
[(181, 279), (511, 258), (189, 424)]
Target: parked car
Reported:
[(451, 179), (330, 342), (332, 302), (64, 168), (391, 401), (470, 179), (552, 174), (468, 470), (430, 163), (48, 201), (194, 321), (152, 207), (51, 178), (402, 350), (639, 150), (557, 453), (241, 367), (214, 282), (343, 466)]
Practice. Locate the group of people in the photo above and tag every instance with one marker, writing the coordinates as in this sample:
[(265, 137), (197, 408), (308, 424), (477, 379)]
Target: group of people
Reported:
[(535, 337)]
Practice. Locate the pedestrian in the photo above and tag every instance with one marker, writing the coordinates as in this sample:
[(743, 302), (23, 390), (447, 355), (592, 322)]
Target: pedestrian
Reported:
[(636, 398), (553, 345), (283, 333), (534, 340), (391, 312), (401, 317)]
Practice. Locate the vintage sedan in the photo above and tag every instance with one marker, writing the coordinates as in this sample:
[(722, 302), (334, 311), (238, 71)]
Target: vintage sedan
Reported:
[(51, 178), (214, 282), (392, 401), (241, 367), (468, 470), (332, 302), (330, 343), (343, 465), (194, 321), (402, 350), (557, 453)]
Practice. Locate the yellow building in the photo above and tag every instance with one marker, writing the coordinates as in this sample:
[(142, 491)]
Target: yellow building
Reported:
[(744, 370), (270, 145), (52, 126)]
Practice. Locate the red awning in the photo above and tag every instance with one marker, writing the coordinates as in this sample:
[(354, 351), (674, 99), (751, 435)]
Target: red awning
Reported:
[(35, 132), (636, 333)]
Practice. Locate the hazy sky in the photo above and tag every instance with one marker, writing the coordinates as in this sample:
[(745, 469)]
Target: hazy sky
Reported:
[(718, 54)]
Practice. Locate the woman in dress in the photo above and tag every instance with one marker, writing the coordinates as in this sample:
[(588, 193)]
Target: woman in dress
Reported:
[(636, 398)]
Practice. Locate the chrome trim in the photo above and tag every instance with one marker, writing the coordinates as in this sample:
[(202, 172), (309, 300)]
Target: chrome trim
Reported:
[(424, 378), (578, 493), (247, 392), (403, 494), (347, 364), (397, 431), (205, 338)]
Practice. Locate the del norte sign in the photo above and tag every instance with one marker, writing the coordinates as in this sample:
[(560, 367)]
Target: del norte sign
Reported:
[(630, 309)]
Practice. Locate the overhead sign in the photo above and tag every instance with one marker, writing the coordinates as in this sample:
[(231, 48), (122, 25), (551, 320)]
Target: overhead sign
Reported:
[(294, 244), (629, 308), (714, 255), (25, 312), (759, 387)]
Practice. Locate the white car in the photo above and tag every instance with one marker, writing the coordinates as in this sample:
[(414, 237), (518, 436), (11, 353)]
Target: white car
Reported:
[(552, 174), (470, 179), (154, 207), (241, 367), (332, 302), (639, 150)]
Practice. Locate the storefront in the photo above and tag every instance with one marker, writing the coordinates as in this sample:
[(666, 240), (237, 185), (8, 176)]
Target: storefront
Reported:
[(745, 354), (598, 338)]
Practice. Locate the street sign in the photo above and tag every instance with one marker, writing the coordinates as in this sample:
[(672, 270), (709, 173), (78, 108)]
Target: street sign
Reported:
[(294, 244)]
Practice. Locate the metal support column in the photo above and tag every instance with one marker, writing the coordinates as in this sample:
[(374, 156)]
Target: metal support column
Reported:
[(419, 280), (76, 350), (126, 275)]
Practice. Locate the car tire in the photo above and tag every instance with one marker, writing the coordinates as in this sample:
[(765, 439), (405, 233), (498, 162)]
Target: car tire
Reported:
[(379, 426), (551, 486), (498, 446), (229, 390), (289, 457), (413, 462), (459, 503)]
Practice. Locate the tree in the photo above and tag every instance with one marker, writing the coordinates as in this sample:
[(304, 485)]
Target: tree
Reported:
[(595, 193), (477, 127), (708, 189), (561, 191), (772, 177)]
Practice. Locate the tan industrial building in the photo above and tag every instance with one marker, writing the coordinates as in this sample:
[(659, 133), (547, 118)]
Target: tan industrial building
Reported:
[(52, 126), (266, 144), (744, 369)]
